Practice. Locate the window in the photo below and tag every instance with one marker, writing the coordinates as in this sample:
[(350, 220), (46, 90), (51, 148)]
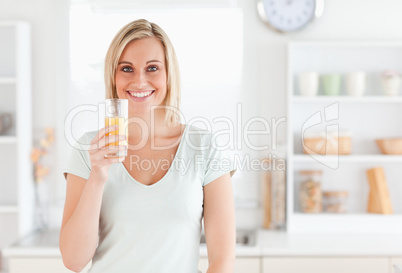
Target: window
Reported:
[(208, 43)]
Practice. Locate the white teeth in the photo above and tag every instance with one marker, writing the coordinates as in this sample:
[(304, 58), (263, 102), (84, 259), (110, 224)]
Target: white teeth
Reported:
[(140, 94)]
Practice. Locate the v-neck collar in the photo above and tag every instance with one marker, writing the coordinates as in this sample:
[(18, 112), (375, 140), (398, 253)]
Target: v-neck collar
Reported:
[(160, 181)]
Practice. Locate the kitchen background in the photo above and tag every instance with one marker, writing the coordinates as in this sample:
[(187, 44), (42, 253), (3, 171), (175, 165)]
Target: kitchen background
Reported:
[(250, 59)]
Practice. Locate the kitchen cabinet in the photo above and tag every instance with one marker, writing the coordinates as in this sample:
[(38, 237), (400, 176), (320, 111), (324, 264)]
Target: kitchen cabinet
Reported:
[(327, 265), (16, 182), (274, 252), (203, 264), (251, 265), (40, 265), (366, 118), (242, 264), (55, 265), (395, 261)]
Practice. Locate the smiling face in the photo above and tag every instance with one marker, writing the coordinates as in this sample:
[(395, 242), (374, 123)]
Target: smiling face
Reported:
[(141, 75)]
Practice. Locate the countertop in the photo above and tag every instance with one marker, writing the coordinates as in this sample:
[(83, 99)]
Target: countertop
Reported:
[(284, 244), (46, 244), (268, 243)]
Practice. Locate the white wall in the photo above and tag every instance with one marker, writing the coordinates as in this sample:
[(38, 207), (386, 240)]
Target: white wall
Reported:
[(264, 71), (49, 27)]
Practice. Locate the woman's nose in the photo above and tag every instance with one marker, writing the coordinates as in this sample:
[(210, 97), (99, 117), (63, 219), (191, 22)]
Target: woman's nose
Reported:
[(139, 80)]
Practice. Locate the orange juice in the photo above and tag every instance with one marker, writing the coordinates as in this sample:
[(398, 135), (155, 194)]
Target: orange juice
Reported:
[(122, 130)]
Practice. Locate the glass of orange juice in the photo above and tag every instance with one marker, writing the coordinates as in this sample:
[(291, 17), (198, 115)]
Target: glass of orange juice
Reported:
[(117, 114)]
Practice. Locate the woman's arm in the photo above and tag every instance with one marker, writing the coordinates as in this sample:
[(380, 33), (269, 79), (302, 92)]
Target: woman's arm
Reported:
[(219, 225), (79, 230)]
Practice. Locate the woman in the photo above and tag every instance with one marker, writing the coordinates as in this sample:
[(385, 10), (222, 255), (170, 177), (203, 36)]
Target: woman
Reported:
[(147, 217)]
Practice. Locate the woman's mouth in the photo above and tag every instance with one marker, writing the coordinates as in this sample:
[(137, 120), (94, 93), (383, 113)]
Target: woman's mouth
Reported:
[(140, 95)]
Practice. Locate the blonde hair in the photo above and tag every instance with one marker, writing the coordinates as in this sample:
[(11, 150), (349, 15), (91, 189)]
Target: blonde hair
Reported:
[(140, 29)]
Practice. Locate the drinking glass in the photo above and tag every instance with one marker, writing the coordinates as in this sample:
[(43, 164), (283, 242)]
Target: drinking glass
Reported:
[(331, 84), (117, 114), (356, 83), (308, 83)]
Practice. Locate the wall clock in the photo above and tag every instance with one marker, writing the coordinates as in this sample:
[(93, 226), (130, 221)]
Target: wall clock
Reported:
[(289, 15)]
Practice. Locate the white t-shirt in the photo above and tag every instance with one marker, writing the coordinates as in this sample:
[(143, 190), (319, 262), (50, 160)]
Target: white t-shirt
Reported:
[(156, 228)]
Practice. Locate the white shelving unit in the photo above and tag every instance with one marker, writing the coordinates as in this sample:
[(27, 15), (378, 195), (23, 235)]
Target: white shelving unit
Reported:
[(350, 158), (16, 181), (346, 99), (368, 117)]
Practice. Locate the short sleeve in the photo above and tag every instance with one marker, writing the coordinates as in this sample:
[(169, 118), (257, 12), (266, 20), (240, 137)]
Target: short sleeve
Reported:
[(78, 162), (219, 161)]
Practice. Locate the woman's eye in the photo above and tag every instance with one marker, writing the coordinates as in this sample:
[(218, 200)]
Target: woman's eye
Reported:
[(153, 68), (127, 69)]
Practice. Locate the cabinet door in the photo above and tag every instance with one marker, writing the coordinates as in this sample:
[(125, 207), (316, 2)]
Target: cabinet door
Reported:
[(242, 265), (249, 265), (40, 265), (327, 265), (203, 265), (396, 261)]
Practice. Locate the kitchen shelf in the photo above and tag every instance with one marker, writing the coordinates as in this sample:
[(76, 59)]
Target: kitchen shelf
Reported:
[(330, 216), (17, 195), (368, 117), (8, 80), (8, 139), (349, 44), (347, 99), (349, 158)]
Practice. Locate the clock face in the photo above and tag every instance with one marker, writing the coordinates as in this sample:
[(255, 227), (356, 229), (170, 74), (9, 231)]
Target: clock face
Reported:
[(288, 15)]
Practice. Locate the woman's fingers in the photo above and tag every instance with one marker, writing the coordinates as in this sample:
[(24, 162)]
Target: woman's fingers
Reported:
[(112, 139), (113, 160), (111, 150), (102, 132), (102, 143), (106, 157), (104, 147)]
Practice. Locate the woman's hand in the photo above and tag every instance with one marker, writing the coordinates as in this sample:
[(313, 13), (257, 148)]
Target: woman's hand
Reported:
[(99, 149)]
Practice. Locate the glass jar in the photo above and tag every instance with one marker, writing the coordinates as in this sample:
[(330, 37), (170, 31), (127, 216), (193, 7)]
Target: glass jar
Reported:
[(335, 201), (274, 194), (310, 193)]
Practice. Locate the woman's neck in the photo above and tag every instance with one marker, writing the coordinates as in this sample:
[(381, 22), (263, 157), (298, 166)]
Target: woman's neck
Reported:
[(146, 126)]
